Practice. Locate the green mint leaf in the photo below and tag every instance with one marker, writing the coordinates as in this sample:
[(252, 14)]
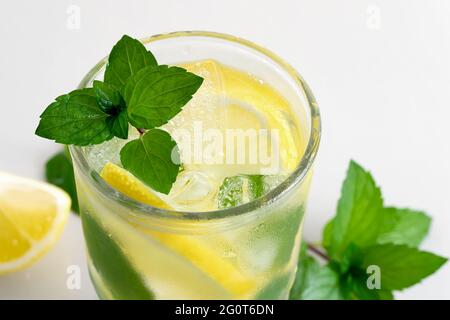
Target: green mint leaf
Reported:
[(59, 172), (322, 283), (240, 189), (120, 275), (326, 234), (153, 158), (315, 282), (305, 263), (359, 290), (118, 124), (231, 192), (111, 102), (401, 266), (108, 97), (358, 212), (403, 226), (156, 94), (127, 57), (75, 118), (351, 257)]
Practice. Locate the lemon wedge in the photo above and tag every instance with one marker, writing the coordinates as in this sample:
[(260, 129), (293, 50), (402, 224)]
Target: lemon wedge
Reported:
[(195, 251), (32, 217)]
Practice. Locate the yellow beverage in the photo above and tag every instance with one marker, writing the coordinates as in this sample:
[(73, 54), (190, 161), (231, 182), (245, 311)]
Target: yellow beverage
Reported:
[(230, 228)]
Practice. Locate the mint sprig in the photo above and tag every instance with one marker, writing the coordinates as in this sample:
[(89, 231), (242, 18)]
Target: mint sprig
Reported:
[(137, 91), (365, 233)]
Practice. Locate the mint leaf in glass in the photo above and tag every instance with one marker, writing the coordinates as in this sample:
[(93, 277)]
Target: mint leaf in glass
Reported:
[(231, 192), (153, 158), (240, 189), (75, 118), (120, 275), (127, 57), (154, 95)]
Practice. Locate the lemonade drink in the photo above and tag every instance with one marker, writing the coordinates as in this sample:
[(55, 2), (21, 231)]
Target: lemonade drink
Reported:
[(230, 228)]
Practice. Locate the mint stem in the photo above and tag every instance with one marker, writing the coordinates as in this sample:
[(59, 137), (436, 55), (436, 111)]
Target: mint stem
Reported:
[(317, 251), (141, 131)]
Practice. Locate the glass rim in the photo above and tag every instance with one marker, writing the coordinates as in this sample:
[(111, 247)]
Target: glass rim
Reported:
[(296, 177)]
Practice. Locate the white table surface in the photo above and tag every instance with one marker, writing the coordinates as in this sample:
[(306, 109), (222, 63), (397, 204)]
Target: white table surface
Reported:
[(380, 71)]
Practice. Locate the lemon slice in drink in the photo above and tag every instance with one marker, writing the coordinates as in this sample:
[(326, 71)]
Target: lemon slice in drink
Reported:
[(123, 181), (32, 217), (245, 102), (195, 251)]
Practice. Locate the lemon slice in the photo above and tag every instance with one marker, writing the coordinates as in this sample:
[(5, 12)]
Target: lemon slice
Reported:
[(251, 103), (123, 181), (195, 251), (32, 217)]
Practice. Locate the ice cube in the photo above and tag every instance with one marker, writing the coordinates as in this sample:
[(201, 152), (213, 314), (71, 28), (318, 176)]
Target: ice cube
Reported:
[(109, 151)]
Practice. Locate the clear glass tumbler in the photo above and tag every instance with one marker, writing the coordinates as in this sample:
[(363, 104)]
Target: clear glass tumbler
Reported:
[(136, 251)]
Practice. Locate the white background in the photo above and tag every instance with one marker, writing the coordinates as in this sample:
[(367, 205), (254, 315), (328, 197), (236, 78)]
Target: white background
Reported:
[(380, 71)]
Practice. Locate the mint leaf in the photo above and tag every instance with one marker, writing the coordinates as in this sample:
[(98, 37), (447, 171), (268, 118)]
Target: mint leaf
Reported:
[(401, 266), (358, 213), (327, 234), (315, 282), (108, 97), (111, 102), (156, 94), (403, 226), (351, 257), (59, 172), (149, 158), (240, 189), (305, 263), (75, 118), (118, 124), (119, 274), (127, 57), (321, 283), (359, 290), (230, 192)]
